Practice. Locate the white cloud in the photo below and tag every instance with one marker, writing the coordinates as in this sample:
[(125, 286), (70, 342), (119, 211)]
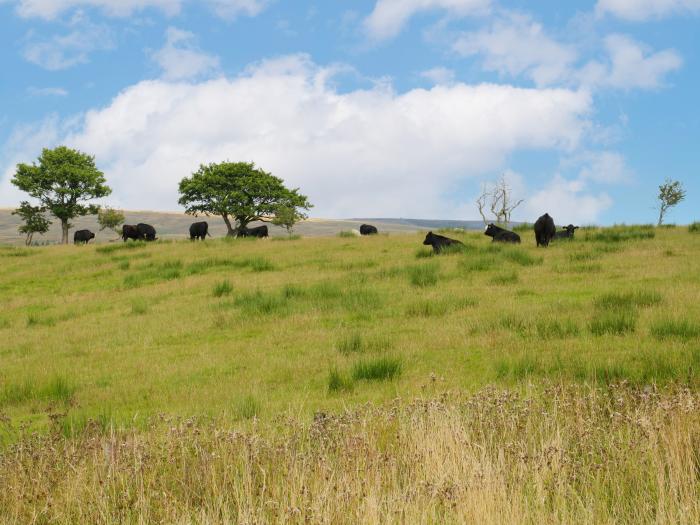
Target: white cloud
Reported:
[(389, 16), (365, 152), (607, 167), (47, 92), (630, 65), (568, 201), (62, 51), (439, 75), (516, 45), (180, 58), (49, 9), (640, 10)]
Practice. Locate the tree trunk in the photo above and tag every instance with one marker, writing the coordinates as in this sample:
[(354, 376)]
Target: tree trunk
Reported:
[(231, 232), (661, 215), (64, 227)]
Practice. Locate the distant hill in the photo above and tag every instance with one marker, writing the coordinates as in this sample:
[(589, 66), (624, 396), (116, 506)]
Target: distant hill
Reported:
[(430, 223), (173, 225)]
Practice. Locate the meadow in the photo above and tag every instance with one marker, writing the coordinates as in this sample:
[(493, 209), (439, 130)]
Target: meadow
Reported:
[(343, 379)]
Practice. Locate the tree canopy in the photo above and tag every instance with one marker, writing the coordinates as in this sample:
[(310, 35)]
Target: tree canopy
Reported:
[(33, 221), (64, 180), (238, 191), (110, 219), (671, 192)]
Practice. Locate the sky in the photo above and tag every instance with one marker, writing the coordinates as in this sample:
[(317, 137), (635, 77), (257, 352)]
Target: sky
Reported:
[(373, 108)]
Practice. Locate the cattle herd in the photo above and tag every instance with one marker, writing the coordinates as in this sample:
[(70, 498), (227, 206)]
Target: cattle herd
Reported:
[(545, 232)]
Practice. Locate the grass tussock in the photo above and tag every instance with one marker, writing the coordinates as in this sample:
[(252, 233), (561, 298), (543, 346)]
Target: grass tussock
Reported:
[(119, 247), (494, 457), (262, 303), (682, 329), (621, 234), (338, 381), (377, 369), (505, 278), (222, 288), (139, 306), (618, 300), (345, 234), (57, 389), (424, 275), (694, 227), (614, 322)]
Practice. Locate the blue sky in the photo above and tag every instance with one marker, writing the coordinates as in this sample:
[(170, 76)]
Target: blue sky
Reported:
[(373, 107)]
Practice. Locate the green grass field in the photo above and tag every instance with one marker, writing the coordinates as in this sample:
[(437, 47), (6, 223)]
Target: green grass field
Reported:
[(244, 333), (245, 327)]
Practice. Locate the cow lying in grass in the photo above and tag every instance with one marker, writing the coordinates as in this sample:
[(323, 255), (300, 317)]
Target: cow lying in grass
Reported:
[(566, 233), (259, 231), (439, 242), (498, 234)]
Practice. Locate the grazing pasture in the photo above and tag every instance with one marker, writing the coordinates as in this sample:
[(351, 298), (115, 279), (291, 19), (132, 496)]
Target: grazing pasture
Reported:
[(144, 343)]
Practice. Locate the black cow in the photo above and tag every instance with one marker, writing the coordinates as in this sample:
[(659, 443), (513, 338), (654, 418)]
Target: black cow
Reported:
[(544, 230), (259, 231), (438, 242), (368, 229), (498, 234), (199, 230), (566, 233), (146, 232), (129, 231), (83, 236)]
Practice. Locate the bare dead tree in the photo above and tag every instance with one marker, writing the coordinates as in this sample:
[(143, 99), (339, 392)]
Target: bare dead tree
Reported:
[(499, 200)]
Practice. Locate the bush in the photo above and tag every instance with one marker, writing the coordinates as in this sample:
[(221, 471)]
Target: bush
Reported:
[(378, 369)]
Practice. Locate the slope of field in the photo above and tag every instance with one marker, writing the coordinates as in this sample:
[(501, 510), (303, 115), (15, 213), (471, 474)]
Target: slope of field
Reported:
[(176, 226), (557, 384)]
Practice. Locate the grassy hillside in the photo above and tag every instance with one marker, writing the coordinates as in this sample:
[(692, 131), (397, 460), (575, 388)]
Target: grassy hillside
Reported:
[(260, 335), (176, 226)]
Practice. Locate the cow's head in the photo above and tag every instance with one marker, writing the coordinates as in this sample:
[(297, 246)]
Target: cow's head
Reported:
[(428, 238), (490, 230)]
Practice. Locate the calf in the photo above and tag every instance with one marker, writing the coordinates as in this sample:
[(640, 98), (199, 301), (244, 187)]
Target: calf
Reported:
[(438, 242), (259, 231), (544, 230), (83, 236), (498, 234), (368, 229), (566, 233), (199, 230)]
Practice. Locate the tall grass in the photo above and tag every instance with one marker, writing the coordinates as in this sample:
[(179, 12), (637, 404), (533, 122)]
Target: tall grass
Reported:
[(683, 329), (377, 369), (424, 275), (615, 322)]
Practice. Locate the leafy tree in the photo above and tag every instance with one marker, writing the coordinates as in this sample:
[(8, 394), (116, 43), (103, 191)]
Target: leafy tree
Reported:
[(63, 181), (287, 217), (671, 192), (238, 192), (34, 221), (110, 219)]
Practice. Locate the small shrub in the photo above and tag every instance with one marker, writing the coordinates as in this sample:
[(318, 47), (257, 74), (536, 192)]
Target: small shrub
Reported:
[(615, 322), (694, 227), (338, 382), (675, 329), (222, 288), (378, 369), (424, 275)]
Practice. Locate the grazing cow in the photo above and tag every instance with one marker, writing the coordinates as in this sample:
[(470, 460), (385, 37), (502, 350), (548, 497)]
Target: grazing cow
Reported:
[(259, 231), (146, 232), (544, 230), (566, 233), (130, 231), (368, 229), (498, 234), (83, 236), (438, 242), (199, 230)]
